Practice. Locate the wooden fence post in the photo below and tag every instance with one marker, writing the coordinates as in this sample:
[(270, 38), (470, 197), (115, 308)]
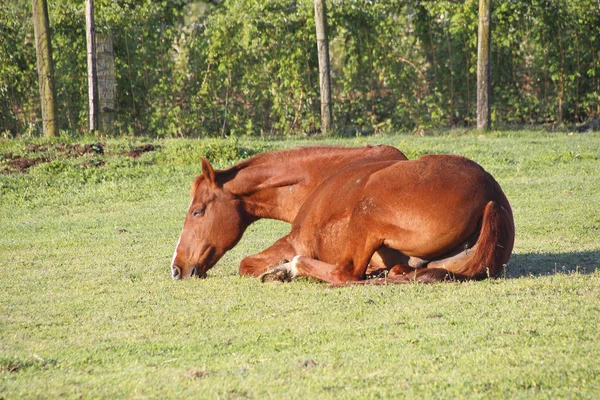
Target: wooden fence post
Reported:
[(484, 87), (90, 36), (107, 87), (324, 66), (43, 48)]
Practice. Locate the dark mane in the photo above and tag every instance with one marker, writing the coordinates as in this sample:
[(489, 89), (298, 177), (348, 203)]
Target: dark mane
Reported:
[(261, 158), (286, 154)]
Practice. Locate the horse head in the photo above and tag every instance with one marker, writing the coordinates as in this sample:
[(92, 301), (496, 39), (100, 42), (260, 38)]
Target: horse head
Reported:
[(214, 224)]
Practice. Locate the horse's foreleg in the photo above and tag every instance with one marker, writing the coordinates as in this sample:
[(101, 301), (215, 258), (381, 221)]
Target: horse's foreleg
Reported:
[(309, 267), (267, 259)]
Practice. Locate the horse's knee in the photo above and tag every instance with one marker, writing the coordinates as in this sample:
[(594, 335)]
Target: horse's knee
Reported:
[(248, 267), (256, 266), (400, 269), (347, 272), (416, 263)]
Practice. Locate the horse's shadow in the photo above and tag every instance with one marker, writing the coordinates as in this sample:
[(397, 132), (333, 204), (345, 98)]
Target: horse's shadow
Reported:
[(538, 264)]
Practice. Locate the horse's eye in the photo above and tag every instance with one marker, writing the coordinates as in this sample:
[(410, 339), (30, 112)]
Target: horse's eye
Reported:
[(198, 212)]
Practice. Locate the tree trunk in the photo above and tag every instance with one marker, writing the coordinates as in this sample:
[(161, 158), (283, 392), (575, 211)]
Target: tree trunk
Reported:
[(43, 49), (324, 70), (90, 35), (483, 65), (107, 87)]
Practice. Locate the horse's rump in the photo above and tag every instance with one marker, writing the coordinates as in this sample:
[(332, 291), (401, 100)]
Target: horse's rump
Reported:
[(426, 209)]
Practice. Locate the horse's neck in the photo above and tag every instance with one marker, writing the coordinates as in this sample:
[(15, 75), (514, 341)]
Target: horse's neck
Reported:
[(277, 184), (274, 190)]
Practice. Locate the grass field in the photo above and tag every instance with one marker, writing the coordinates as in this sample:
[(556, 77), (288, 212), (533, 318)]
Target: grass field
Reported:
[(88, 308)]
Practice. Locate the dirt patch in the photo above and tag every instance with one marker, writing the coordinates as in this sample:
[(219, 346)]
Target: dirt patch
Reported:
[(93, 163), (16, 164), (196, 373), (138, 151), (73, 150), (44, 153), (307, 363)]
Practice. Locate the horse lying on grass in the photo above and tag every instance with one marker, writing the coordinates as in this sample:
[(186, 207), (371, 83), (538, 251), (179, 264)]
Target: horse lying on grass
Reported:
[(435, 218), (444, 212), (270, 185)]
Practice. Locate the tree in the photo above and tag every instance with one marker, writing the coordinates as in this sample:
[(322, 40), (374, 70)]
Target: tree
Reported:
[(483, 65), (324, 70), (43, 48), (90, 35)]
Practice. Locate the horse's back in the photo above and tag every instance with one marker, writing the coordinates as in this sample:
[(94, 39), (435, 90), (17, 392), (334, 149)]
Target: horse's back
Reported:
[(427, 205), (420, 207), (441, 176)]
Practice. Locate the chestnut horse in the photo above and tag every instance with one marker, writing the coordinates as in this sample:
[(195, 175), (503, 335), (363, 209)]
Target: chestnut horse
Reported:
[(270, 185), (445, 212)]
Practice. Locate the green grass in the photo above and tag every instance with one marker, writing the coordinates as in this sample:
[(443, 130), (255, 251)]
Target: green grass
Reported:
[(88, 308)]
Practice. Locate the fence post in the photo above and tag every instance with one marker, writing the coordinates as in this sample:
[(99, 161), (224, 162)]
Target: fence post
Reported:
[(484, 43), (43, 48), (90, 36), (324, 69), (105, 69)]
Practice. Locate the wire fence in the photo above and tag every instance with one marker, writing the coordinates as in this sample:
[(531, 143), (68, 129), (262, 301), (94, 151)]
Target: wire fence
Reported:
[(404, 66)]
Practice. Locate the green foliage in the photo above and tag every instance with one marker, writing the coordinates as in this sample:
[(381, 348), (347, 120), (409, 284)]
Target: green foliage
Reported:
[(547, 60), (249, 67), (221, 153), (18, 76)]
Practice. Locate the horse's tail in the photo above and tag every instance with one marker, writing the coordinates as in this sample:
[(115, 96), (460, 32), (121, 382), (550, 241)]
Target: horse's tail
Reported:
[(485, 259), (489, 255), (493, 247)]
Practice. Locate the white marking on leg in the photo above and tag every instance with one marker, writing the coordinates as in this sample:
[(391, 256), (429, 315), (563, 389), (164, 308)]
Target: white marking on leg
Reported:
[(293, 266)]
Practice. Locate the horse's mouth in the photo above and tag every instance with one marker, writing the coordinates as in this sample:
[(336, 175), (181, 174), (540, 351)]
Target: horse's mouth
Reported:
[(195, 272), (198, 272), (207, 261), (199, 268)]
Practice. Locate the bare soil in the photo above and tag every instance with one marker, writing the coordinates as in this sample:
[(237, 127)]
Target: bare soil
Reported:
[(43, 153)]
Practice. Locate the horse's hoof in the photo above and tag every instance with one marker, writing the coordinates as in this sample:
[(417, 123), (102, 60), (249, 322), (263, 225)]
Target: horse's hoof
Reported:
[(272, 267), (277, 275)]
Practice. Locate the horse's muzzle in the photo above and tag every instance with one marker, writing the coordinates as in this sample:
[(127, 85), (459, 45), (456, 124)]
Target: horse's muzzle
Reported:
[(176, 272), (196, 272)]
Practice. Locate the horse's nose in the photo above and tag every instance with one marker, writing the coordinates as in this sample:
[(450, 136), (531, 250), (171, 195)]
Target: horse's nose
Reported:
[(198, 273), (176, 272)]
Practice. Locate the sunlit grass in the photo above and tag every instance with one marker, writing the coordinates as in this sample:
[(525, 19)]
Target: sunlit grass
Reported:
[(88, 309)]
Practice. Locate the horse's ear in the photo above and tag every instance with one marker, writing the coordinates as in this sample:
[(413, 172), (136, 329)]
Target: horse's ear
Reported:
[(208, 172)]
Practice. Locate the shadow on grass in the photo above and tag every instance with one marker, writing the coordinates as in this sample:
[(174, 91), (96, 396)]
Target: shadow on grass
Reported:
[(537, 264)]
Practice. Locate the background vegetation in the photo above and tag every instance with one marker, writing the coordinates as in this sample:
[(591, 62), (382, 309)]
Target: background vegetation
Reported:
[(88, 308), (248, 67)]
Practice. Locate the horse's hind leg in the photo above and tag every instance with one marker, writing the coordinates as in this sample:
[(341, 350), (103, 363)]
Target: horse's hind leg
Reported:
[(423, 275), (383, 259), (257, 264), (400, 269), (392, 262)]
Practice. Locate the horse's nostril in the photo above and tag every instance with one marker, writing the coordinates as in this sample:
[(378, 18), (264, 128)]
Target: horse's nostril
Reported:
[(194, 272), (176, 272)]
